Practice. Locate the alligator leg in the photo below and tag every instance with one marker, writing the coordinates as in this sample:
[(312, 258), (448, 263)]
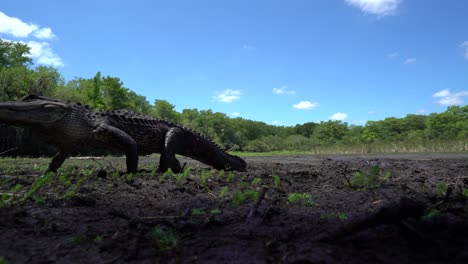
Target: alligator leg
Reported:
[(57, 161), (113, 136), (172, 142)]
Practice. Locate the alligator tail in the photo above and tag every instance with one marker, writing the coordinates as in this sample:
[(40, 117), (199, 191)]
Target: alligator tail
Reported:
[(204, 150)]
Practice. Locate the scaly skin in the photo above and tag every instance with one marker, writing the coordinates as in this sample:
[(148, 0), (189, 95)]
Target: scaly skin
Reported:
[(75, 128)]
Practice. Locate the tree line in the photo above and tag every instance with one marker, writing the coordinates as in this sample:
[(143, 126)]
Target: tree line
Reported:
[(19, 77)]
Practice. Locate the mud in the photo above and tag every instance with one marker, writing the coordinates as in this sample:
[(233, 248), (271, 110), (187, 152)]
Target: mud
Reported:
[(402, 217)]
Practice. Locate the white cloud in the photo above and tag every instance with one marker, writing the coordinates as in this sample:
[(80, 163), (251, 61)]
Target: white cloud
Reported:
[(410, 61), (283, 90), (43, 53), (305, 105), (235, 114), (392, 55), (40, 51), (376, 7), (44, 33), (276, 122), (464, 47), (339, 116), (15, 27), (227, 96), (448, 98), (372, 112)]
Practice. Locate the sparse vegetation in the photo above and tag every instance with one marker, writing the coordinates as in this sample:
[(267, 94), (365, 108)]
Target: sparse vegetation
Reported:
[(305, 198), (164, 239), (442, 188), (342, 216), (433, 213), (256, 181), (363, 181), (277, 181), (239, 198), (223, 191)]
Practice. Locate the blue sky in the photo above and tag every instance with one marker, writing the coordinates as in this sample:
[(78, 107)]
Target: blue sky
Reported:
[(280, 62)]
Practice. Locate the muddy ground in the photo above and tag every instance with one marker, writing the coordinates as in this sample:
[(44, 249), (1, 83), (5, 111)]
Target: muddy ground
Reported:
[(88, 213)]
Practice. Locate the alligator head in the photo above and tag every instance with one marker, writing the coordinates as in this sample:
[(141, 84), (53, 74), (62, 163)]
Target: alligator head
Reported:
[(33, 110)]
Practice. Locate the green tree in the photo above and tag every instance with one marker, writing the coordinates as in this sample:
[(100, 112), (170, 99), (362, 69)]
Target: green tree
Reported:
[(164, 110), (330, 132)]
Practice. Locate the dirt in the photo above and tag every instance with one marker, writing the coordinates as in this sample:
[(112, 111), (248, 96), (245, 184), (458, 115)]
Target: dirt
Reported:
[(402, 217)]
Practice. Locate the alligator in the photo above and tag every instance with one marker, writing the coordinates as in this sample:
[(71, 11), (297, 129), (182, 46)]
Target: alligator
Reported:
[(72, 127)]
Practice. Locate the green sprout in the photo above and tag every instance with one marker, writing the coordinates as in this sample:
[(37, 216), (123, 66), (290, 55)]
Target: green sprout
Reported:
[(277, 181), (164, 239), (302, 198), (239, 198), (442, 188)]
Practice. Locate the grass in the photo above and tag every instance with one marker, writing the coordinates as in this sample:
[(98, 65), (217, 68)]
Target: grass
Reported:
[(366, 148), (277, 181), (223, 191), (442, 189), (342, 216), (305, 198), (433, 213), (164, 239), (367, 180), (239, 198), (37, 185)]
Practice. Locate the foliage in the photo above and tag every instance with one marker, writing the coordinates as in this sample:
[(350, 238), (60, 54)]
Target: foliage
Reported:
[(277, 181), (442, 188), (239, 197), (433, 213), (372, 179), (342, 216), (223, 191), (301, 198), (164, 239)]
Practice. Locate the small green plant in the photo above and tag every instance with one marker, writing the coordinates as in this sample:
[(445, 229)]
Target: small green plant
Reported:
[(301, 198), (433, 213), (255, 181), (37, 185), (3, 260), (197, 212), (243, 185), (87, 173), (277, 181), (223, 191), (215, 211), (342, 216), (204, 177), (9, 198), (98, 239), (441, 189), (167, 175), (239, 198), (362, 181), (164, 239), (230, 177), (181, 178), (387, 176), (465, 192), (221, 174)]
